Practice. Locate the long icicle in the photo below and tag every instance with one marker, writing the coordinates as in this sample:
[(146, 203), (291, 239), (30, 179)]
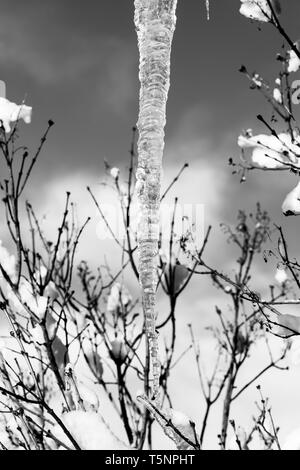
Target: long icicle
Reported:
[(155, 22)]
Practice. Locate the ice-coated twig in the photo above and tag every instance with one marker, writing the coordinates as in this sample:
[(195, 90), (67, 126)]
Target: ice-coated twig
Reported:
[(72, 387), (155, 22), (182, 439)]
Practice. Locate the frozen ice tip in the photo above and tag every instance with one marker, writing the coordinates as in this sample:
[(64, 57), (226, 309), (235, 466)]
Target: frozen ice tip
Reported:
[(2, 89), (207, 9)]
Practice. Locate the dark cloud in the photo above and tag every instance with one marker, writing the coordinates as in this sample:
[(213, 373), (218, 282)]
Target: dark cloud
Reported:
[(77, 62)]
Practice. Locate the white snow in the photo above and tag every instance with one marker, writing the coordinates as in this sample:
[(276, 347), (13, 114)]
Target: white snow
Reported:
[(271, 152), (89, 397), (292, 441), (257, 80), (11, 112), (281, 275), (277, 95), (37, 334), (115, 172), (182, 423), (7, 261), (291, 204), (36, 303), (294, 353), (241, 435), (51, 291), (258, 10), (118, 299), (293, 62), (179, 419), (288, 325), (88, 430)]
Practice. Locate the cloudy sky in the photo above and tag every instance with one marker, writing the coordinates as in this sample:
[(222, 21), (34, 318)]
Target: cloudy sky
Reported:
[(77, 62)]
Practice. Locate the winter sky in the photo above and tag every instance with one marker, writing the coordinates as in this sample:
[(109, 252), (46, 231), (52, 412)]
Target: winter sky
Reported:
[(76, 63)]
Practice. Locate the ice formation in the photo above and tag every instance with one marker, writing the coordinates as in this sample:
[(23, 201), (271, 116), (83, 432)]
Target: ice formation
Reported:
[(176, 425), (207, 8), (155, 22), (2, 89)]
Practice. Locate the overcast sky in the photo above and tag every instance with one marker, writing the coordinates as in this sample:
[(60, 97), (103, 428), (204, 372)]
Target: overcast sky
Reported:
[(76, 62)]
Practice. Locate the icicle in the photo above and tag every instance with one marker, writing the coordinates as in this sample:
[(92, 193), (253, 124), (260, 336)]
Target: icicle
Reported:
[(207, 9), (2, 89), (155, 22)]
